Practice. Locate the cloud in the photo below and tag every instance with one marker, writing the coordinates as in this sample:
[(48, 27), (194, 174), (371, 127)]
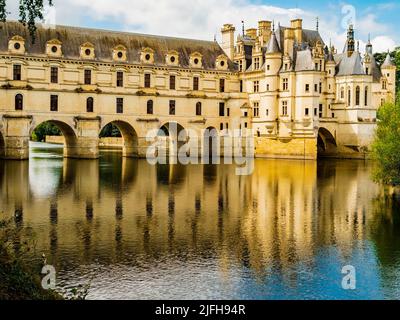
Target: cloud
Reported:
[(203, 19)]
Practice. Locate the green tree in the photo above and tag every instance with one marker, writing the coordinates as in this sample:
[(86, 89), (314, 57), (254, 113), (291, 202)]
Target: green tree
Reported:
[(30, 11), (386, 147), (45, 129)]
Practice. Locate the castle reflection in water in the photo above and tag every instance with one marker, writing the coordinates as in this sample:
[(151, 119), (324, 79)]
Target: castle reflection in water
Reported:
[(172, 231)]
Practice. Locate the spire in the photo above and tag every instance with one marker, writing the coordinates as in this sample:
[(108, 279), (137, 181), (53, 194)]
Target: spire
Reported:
[(273, 46), (317, 23), (350, 43), (388, 61)]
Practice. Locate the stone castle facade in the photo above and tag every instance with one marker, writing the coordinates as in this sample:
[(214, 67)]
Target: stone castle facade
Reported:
[(301, 98)]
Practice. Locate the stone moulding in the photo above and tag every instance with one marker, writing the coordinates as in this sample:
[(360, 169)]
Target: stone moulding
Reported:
[(147, 120)]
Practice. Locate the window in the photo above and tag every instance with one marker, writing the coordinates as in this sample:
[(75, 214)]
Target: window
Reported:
[(120, 105), (349, 97), (19, 102), (196, 84), (246, 114), (89, 104), (342, 93), (320, 87), (268, 87), (221, 126), (172, 107), (221, 85), (284, 108), (120, 79), (222, 109), (366, 97), (240, 65), (228, 112), (307, 112), (198, 109), (256, 86), (321, 110), (384, 85), (53, 103), (17, 74), (315, 112), (54, 75), (150, 106), (367, 70), (246, 125), (285, 85), (241, 86), (256, 109), (172, 82), (147, 80), (267, 112), (358, 93), (256, 63), (316, 87), (88, 77), (316, 66), (307, 88), (268, 67)]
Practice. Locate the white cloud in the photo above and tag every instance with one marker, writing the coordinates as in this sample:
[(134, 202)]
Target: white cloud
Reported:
[(202, 19)]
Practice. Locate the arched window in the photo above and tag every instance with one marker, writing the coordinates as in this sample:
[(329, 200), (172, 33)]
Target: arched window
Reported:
[(342, 93), (89, 104), (349, 98), (384, 85), (366, 96), (198, 109), (150, 105), (19, 102), (358, 93)]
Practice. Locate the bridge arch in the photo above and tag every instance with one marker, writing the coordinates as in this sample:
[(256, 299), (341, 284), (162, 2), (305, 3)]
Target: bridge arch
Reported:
[(129, 136), (327, 145), (68, 132), (173, 132), (211, 144)]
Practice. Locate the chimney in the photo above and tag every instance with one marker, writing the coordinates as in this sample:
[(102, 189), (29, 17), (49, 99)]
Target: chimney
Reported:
[(289, 41), (228, 40), (251, 33), (297, 25), (264, 31)]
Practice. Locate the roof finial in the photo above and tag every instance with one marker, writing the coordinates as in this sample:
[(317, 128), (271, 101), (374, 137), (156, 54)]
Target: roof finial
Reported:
[(369, 37), (243, 27), (358, 45), (317, 23), (273, 25)]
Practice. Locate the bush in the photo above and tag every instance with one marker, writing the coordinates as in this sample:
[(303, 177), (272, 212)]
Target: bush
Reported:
[(386, 147)]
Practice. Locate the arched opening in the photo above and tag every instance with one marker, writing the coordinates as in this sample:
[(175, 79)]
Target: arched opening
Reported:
[(366, 97), (90, 105), (211, 143), (19, 102), (327, 146), (120, 134), (358, 94), (56, 133), (175, 137)]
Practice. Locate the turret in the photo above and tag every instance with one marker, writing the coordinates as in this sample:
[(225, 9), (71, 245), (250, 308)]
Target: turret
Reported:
[(350, 44), (389, 72)]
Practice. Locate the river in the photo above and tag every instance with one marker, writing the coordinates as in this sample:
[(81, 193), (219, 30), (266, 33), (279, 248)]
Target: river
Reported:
[(137, 231)]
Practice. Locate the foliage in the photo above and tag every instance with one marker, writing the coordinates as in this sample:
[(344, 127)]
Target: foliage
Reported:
[(45, 129), (19, 280), (386, 147), (29, 12), (395, 55), (110, 130)]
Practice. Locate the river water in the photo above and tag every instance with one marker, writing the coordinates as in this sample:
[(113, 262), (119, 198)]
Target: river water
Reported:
[(137, 231)]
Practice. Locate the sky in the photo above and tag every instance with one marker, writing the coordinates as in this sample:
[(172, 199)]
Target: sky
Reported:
[(203, 19)]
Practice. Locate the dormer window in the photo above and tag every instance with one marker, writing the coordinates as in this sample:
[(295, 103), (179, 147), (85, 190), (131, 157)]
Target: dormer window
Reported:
[(17, 45), (172, 58), (196, 60), (87, 51), (222, 62), (119, 53), (147, 56), (53, 48)]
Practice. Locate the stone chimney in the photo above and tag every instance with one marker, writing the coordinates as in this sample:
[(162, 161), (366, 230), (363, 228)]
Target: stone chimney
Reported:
[(289, 36), (264, 31), (228, 40), (297, 26), (252, 33)]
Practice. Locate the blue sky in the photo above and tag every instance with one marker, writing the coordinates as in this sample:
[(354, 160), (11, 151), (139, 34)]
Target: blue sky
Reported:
[(203, 19)]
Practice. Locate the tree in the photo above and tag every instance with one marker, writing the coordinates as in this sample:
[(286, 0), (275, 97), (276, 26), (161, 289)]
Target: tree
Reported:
[(45, 129), (395, 55), (29, 12), (386, 147)]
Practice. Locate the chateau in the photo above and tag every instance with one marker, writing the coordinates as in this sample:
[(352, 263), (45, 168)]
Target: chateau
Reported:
[(301, 98)]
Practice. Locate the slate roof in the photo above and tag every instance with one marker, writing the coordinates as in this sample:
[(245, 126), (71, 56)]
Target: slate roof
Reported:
[(105, 41), (350, 65), (304, 61), (388, 62), (273, 45)]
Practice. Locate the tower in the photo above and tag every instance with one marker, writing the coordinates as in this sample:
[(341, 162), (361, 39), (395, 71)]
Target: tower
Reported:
[(389, 72), (228, 40)]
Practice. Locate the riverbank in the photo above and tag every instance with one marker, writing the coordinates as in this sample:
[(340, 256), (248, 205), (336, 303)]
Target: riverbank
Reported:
[(104, 143)]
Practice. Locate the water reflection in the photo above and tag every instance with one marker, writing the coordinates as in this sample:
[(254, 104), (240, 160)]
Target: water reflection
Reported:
[(142, 231)]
